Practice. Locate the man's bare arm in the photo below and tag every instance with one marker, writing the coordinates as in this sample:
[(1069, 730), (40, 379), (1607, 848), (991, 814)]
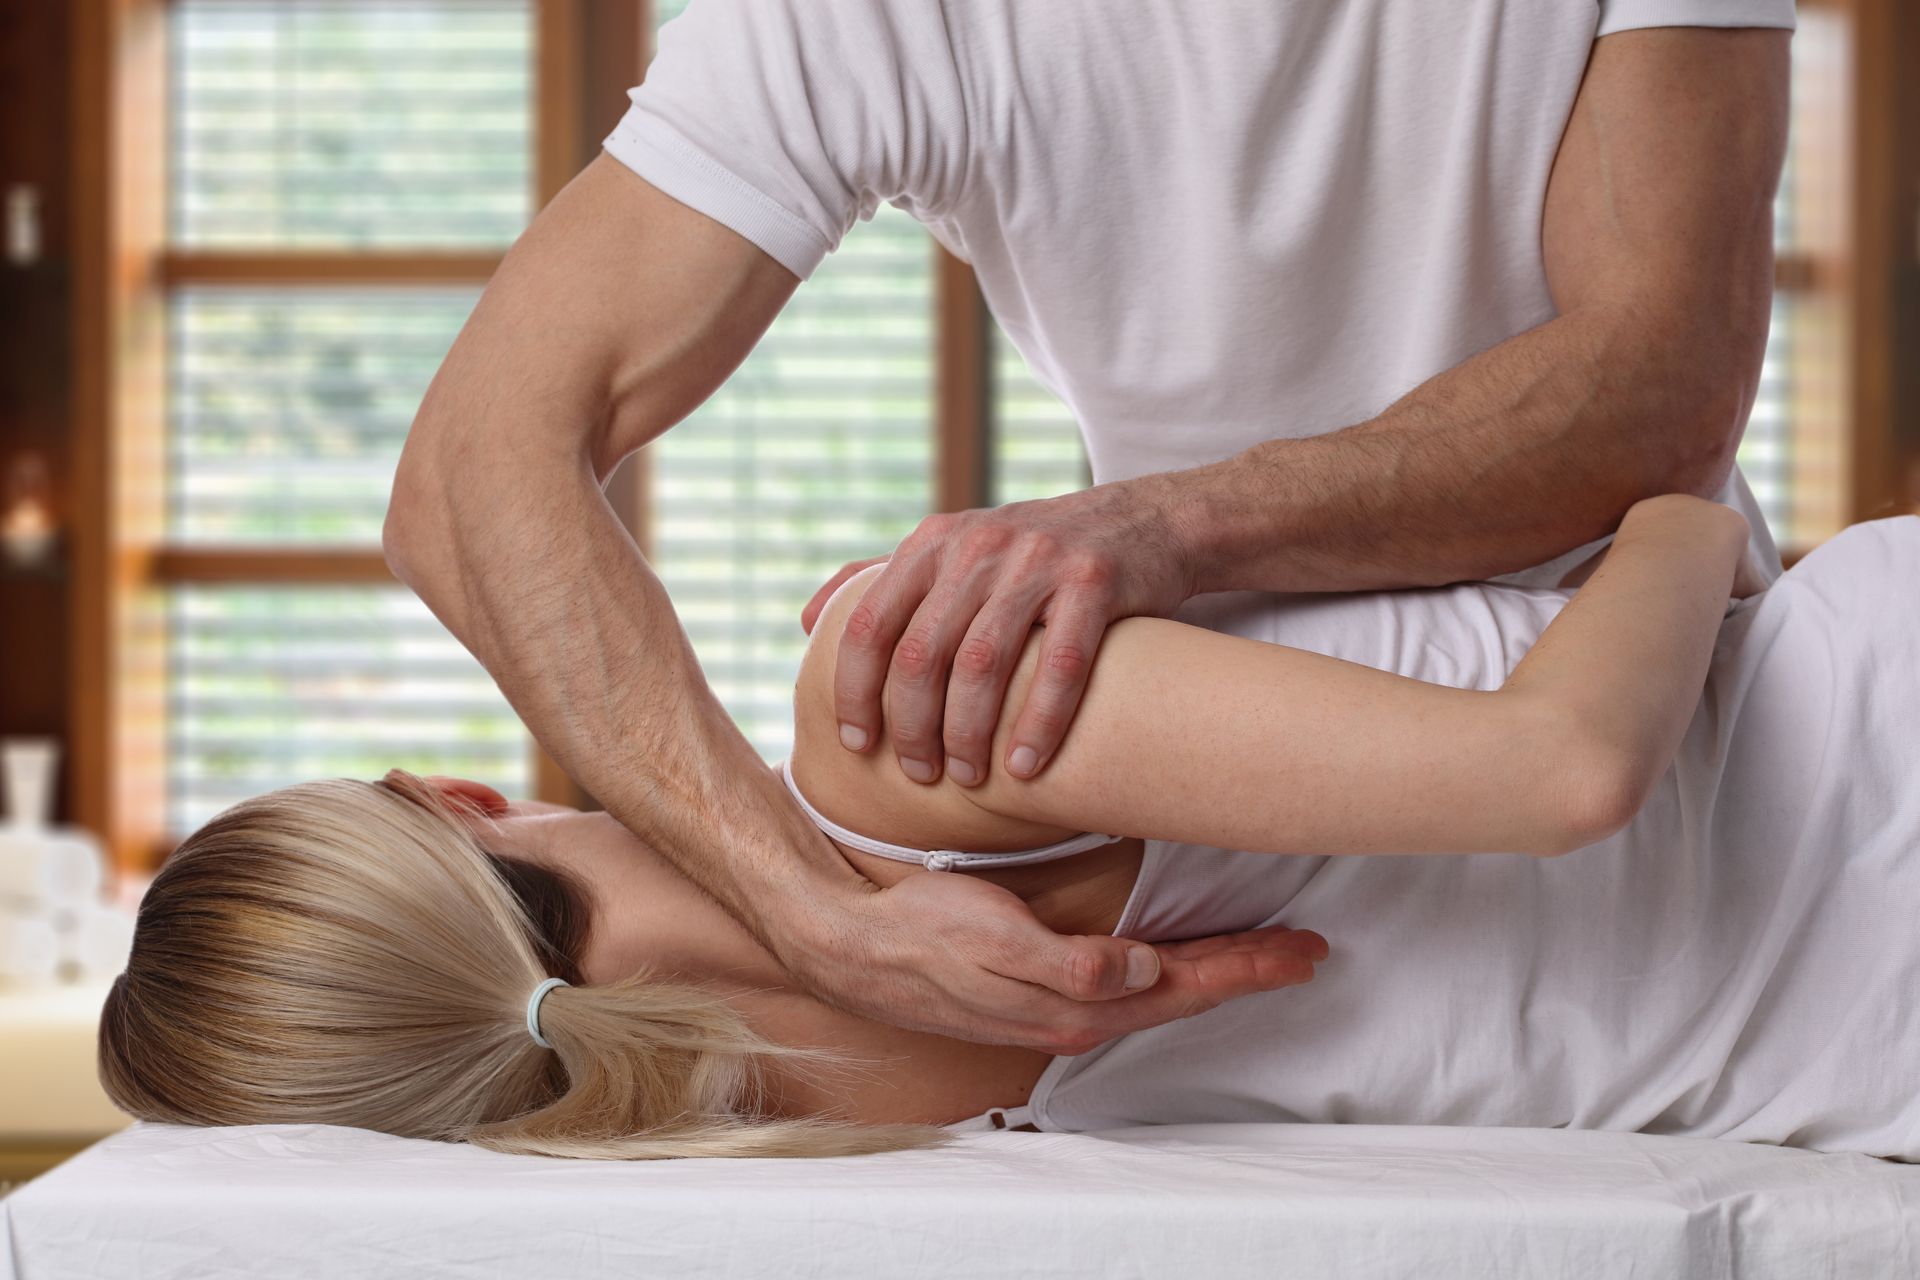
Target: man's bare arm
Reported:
[(616, 314), (1658, 247), (1658, 239)]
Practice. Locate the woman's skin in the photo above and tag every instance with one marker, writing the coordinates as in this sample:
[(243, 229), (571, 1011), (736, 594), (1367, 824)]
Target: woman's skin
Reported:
[(645, 914), (1192, 736)]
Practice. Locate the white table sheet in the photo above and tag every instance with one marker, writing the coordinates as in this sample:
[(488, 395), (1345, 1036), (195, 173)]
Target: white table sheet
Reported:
[(1219, 1201)]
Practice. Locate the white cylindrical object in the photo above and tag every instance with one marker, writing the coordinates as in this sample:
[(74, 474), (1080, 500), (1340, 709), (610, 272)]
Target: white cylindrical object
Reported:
[(29, 950), (50, 870), (30, 765)]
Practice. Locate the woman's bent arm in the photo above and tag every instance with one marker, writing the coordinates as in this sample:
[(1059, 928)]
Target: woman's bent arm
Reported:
[(1188, 735)]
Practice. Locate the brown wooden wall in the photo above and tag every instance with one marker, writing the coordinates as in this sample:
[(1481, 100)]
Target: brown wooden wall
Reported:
[(35, 354)]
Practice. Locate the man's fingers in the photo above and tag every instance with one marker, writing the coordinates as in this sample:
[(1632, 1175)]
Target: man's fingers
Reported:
[(1226, 975), (873, 626), (982, 664), (1074, 627), (1011, 980), (1302, 942), (1093, 967), (811, 614), (1186, 989), (917, 677)]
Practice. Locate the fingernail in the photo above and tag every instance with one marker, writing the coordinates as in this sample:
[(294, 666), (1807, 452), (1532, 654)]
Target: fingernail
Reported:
[(918, 770), (962, 772), (853, 737), (1143, 968), (1023, 760)]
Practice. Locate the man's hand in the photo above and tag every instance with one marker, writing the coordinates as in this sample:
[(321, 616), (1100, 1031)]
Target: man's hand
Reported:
[(935, 640), (959, 956)]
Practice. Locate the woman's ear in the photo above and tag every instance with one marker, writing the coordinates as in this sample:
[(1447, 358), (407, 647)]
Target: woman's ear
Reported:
[(466, 792), (462, 795)]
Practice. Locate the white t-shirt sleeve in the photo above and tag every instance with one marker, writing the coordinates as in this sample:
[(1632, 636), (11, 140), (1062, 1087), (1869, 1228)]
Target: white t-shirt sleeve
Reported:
[(1629, 15), (789, 120)]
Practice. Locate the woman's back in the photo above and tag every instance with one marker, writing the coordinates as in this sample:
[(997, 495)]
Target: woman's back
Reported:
[(1738, 962)]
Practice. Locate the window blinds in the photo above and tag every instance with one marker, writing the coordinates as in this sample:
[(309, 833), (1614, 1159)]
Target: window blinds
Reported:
[(288, 408), (819, 450), (342, 125), (274, 685), (346, 123)]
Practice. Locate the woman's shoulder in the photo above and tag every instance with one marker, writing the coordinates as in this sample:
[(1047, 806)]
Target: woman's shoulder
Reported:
[(866, 791)]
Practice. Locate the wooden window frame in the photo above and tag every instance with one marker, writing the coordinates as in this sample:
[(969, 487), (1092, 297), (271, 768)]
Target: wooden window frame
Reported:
[(125, 272), (1856, 211)]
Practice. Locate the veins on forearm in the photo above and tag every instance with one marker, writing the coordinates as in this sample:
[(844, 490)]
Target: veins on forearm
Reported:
[(1524, 451)]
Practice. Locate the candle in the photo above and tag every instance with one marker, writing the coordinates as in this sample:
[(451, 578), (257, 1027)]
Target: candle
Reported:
[(27, 531), (26, 512), (23, 225)]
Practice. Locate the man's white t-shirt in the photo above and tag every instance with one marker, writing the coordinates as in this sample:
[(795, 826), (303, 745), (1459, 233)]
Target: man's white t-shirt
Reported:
[(1204, 225)]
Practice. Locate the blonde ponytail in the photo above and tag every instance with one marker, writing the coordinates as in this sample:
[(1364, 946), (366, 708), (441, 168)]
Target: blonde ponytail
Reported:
[(347, 953)]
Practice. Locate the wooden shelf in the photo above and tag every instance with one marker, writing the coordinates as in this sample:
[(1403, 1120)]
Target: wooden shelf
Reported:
[(224, 268), (280, 566)]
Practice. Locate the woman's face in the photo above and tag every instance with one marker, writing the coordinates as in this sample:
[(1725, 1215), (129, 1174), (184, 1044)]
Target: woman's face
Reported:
[(644, 912)]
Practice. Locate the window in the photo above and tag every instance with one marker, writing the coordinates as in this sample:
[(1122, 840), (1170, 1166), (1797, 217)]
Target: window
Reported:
[(359, 132), (319, 124), (1795, 450)]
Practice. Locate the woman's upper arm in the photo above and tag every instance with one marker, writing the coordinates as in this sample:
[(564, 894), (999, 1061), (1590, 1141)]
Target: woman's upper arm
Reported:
[(1185, 734), (1189, 735)]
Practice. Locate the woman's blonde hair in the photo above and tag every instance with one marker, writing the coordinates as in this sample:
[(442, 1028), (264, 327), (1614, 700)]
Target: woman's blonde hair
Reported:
[(348, 953)]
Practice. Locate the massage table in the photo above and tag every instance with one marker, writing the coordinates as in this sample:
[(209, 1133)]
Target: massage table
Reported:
[(1213, 1201)]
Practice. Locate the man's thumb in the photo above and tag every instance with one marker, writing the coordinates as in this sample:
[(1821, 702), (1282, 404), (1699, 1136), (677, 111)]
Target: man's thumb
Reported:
[(1104, 968)]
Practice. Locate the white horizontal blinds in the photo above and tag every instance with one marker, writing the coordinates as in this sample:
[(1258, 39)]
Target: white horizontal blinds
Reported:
[(345, 125), (1037, 450), (816, 452), (284, 684), (1795, 446), (1766, 451), (288, 407), (310, 123)]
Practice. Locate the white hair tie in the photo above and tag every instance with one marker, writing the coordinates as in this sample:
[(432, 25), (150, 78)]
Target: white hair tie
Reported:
[(533, 1009)]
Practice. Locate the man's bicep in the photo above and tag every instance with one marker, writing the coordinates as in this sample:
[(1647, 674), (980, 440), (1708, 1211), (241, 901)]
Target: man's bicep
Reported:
[(631, 304), (1663, 185)]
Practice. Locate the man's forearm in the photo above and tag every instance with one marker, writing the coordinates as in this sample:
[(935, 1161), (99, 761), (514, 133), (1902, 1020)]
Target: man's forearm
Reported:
[(526, 563), (615, 315), (1526, 451), (1657, 243)]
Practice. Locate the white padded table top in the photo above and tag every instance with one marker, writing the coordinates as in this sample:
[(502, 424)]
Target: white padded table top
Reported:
[(1223, 1201)]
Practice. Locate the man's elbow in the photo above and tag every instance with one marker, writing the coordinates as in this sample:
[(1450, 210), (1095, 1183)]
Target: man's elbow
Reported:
[(405, 535), (1695, 398), (1704, 421)]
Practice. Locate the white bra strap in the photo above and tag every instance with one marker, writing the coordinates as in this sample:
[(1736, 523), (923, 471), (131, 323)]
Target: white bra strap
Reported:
[(937, 859)]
